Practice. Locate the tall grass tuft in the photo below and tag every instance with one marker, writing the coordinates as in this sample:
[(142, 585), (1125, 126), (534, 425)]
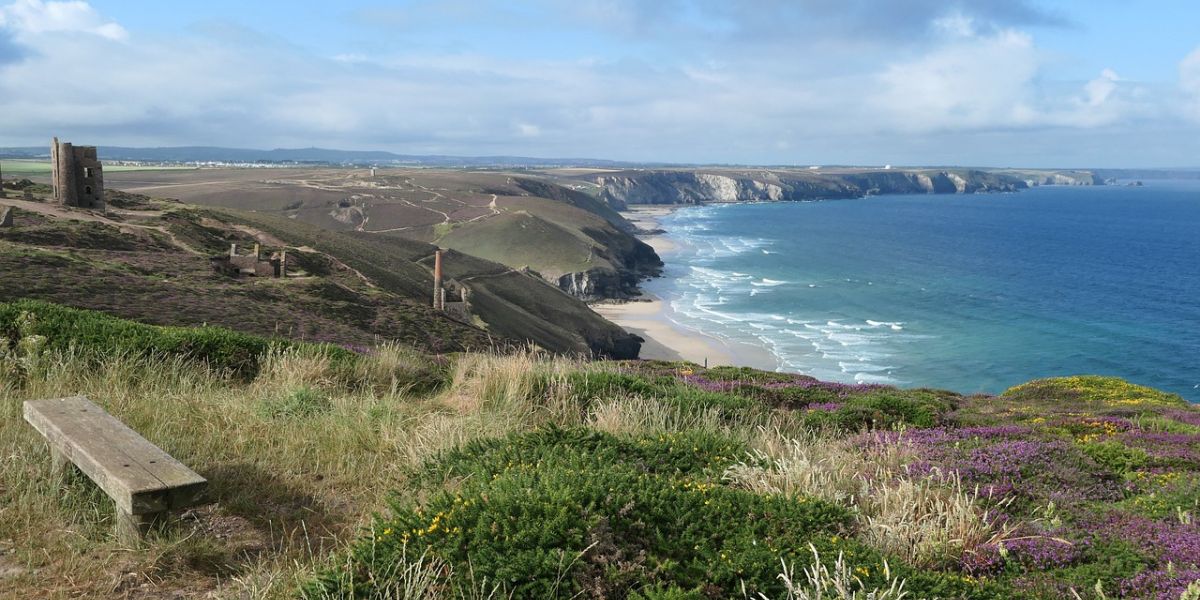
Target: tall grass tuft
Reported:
[(929, 521), (819, 582), (635, 415)]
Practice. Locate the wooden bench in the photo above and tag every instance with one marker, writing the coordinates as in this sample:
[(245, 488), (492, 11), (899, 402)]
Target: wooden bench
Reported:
[(144, 482)]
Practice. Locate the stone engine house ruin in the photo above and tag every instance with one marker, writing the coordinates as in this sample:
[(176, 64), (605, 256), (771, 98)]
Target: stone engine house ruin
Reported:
[(252, 265), (77, 175), (459, 309)]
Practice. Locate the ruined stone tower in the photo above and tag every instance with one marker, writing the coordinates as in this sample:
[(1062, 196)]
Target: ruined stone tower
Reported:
[(77, 175)]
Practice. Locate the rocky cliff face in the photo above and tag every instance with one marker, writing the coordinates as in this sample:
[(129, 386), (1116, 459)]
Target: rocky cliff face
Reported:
[(697, 186), (636, 261)]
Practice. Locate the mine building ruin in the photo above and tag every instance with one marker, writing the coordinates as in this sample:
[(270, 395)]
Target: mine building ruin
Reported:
[(77, 175), (460, 309), (250, 265)]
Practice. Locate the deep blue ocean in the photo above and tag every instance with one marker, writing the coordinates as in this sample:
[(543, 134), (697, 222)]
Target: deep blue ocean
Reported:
[(970, 293)]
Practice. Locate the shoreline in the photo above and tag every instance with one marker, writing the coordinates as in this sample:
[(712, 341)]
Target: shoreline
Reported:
[(650, 316)]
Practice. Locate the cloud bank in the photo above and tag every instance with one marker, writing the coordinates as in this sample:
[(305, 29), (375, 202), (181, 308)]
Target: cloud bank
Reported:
[(769, 81)]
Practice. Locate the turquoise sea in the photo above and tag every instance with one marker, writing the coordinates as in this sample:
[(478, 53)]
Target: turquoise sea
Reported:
[(970, 293)]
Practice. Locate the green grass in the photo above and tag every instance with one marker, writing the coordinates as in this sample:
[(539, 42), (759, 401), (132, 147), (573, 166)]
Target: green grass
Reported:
[(519, 239), (399, 475), (557, 512), (96, 335)]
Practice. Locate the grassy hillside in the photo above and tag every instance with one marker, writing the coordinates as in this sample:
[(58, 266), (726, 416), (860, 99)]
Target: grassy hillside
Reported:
[(527, 241), (149, 260), (523, 476), (474, 212), (511, 304)]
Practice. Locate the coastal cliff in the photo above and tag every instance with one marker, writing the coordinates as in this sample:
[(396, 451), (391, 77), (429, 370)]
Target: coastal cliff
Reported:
[(623, 188)]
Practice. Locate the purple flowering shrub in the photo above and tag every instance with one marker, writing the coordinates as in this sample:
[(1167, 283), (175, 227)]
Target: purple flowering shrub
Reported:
[(1086, 480)]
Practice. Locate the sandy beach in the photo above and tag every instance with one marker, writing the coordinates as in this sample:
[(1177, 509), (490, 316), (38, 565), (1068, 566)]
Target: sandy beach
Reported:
[(647, 218), (650, 317)]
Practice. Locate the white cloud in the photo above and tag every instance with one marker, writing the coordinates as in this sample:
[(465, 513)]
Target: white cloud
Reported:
[(1189, 81), (977, 81), (810, 101), (956, 24), (1101, 88), (528, 130), (31, 17)]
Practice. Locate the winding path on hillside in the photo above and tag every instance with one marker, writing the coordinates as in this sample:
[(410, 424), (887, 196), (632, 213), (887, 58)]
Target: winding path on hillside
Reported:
[(61, 212)]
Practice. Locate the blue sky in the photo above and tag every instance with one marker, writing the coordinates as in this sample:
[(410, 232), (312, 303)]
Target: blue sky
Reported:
[(968, 82)]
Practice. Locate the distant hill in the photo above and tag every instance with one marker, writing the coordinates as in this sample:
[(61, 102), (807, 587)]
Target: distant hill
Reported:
[(315, 156)]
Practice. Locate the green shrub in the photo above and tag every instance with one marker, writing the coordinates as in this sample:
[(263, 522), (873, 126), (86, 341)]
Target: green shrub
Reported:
[(97, 334), (554, 512), (1106, 562), (1115, 456), (747, 374), (789, 397), (883, 409), (669, 593), (1094, 391), (587, 387)]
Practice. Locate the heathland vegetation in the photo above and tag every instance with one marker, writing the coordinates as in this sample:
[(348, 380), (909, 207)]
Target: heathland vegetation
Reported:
[(148, 259), (523, 220), (388, 472)]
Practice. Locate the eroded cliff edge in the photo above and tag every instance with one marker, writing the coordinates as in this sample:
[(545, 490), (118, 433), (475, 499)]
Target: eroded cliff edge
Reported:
[(697, 186)]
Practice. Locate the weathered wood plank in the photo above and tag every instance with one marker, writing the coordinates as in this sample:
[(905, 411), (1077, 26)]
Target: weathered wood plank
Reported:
[(139, 476)]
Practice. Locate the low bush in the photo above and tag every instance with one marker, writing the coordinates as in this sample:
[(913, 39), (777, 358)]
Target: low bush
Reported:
[(563, 511), (588, 387), (748, 375), (1115, 456), (1095, 392), (883, 409), (97, 334)]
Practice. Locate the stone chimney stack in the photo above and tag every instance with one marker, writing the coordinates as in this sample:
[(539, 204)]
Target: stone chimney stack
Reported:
[(62, 176), (257, 252), (283, 263), (3, 194), (232, 250), (437, 279)]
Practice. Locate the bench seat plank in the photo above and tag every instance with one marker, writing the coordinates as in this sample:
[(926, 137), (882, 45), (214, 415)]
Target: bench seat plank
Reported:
[(139, 476)]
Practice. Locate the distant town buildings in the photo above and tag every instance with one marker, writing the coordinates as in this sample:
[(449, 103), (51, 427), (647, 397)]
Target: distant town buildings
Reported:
[(77, 175)]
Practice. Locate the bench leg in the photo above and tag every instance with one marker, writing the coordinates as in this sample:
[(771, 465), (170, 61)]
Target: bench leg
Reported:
[(132, 528), (60, 467)]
